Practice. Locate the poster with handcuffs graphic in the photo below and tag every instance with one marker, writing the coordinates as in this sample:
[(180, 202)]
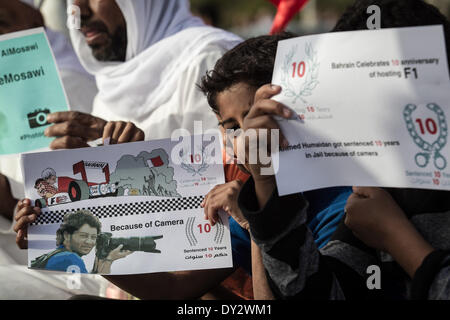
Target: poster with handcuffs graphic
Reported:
[(127, 209), (376, 116)]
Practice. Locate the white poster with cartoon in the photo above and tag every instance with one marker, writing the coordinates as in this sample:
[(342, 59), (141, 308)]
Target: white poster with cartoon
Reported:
[(126, 209)]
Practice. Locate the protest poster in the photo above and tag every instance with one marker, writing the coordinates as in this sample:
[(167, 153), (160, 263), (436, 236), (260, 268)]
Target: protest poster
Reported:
[(142, 196), (376, 116), (30, 89)]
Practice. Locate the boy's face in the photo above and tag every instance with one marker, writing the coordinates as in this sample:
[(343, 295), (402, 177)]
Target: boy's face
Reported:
[(234, 104)]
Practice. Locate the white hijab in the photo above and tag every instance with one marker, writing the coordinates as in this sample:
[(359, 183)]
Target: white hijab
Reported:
[(66, 59), (163, 39)]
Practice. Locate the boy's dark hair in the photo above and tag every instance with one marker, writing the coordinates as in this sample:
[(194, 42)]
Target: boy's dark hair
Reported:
[(394, 14), (250, 62), (74, 221)]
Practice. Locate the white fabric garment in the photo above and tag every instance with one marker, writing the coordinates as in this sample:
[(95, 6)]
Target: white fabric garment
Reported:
[(65, 56), (20, 283), (165, 44), (79, 85)]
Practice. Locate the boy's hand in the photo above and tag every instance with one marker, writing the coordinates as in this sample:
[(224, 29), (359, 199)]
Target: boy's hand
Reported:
[(224, 197), (260, 117), (26, 214), (122, 132), (374, 217), (73, 129)]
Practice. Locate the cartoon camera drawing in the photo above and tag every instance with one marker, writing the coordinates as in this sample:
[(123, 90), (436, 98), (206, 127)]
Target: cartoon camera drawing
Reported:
[(38, 118)]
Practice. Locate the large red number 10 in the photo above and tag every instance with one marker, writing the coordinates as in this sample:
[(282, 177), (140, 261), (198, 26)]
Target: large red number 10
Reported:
[(300, 70), (430, 125), (207, 227)]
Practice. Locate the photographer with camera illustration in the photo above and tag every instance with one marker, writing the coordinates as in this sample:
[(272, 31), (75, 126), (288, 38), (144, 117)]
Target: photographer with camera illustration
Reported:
[(76, 237)]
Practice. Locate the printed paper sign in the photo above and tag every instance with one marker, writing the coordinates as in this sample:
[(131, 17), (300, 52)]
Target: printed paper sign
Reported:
[(145, 195), (371, 109), (30, 88), (332, 63)]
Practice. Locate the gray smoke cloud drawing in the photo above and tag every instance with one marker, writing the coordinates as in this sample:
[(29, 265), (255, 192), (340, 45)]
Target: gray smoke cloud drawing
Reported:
[(134, 175)]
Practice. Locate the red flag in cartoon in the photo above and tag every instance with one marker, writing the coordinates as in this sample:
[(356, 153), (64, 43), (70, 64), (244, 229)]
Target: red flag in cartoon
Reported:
[(286, 11), (157, 161)]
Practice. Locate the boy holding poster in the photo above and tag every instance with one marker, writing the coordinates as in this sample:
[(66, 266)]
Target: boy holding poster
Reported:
[(341, 268), (332, 273), (186, 284), (230, 89)]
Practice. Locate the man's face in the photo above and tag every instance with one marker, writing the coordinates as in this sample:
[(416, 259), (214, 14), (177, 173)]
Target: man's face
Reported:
[(17, 16), (104, 28), (81, 241), (234, 104)]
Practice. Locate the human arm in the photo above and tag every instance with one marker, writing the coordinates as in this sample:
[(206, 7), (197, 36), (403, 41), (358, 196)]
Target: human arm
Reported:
[(293, 265), (291, 262), (260, 117), (376, 219)]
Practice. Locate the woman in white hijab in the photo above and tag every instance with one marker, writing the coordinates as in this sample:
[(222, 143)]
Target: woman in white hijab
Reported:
[(168, 51)]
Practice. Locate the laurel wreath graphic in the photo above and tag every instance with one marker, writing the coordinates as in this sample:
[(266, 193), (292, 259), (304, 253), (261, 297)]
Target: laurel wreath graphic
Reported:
[(203, 167), (311, 82)]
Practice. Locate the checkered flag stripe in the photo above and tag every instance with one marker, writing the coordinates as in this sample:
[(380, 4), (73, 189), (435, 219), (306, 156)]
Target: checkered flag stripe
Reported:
[(126, 209)]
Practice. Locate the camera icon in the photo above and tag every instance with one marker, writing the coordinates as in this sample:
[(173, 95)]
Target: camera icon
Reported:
[(38, 118)]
